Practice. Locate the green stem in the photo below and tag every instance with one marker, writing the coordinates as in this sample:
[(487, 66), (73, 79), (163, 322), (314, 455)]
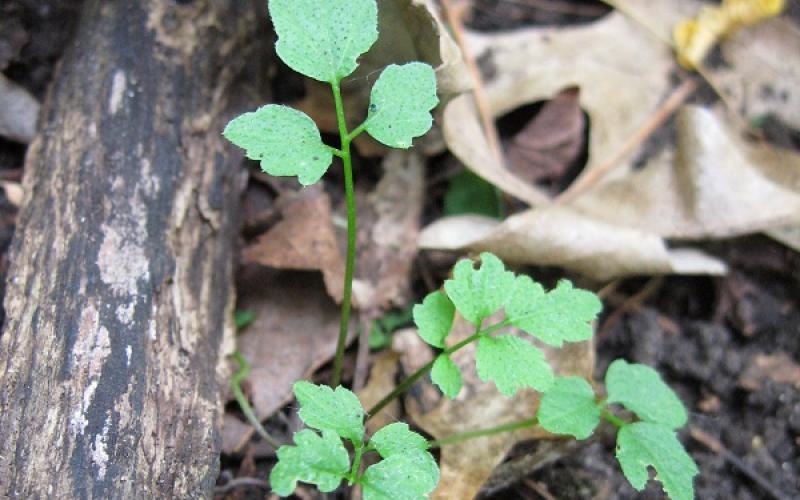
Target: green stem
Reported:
[(351, 234), (236, 387), (464, 436), (618, 422), (353, 476), (408, 382)]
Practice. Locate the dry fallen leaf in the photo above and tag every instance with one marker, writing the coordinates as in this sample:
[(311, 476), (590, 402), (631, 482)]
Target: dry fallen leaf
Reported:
[(294, 332), (467, 465), (551, 142), (381, 382)]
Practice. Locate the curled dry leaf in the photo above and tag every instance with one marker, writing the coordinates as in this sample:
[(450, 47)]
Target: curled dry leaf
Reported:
[(410, 30), (467, 465), (536, 64)]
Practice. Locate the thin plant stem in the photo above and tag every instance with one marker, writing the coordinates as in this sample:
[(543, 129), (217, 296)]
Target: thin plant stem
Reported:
[(353, 476), (408, 382), (351, 234), (618, 422), (464, 436), (236, 387)]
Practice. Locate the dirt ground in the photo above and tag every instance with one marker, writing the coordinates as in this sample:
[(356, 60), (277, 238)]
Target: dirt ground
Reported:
[(729, 345)]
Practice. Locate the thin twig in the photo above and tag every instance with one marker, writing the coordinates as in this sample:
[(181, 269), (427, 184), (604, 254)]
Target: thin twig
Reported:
[(240, 482), (653, 123), (717, 447), (632, 303), (362, 358), (539, 488)]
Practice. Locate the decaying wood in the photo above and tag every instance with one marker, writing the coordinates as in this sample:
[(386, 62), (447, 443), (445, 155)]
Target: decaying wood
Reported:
[(120, 294)]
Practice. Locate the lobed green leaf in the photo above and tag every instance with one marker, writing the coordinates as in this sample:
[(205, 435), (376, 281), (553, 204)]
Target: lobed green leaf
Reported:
[(322, 39), (323, 408), (447, 376), (397, 439), (563, 314), (642, 444), (403, 476), (286, 141), (512, 363), (434, 318), (400, 104), (479, 293), (321, 460), (569, 407), (641, 390)]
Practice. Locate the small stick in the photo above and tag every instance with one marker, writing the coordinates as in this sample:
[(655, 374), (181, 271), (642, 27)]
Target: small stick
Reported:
[(239, 482), (454, 16), (667, 108), (717, 447), (632, 303), (539, 488)]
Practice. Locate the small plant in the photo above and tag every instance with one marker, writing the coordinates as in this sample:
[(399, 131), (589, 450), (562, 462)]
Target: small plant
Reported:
[(323, 39)]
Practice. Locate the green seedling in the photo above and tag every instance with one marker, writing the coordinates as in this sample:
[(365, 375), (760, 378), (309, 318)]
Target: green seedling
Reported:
[(323, 40)]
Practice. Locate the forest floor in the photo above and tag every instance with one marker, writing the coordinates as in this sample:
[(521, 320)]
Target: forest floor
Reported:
[(729, 345)]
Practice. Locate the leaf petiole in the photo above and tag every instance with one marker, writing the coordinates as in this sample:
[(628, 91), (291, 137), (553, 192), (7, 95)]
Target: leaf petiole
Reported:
[(236, 388), (465, 436), (615, 420)]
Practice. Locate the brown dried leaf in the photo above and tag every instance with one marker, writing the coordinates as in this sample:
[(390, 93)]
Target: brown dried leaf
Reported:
[(547, 146), (294, 332), (381, 382)]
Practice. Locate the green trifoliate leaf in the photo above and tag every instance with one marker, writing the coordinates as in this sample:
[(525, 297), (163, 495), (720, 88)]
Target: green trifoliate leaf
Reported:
[(323, 38), (286, 141), (479, 293), (640, 389), (405, 476), (512, 364), (397, 439), (400, 104), (321, 460), (569, 407), (447, 376), (563, 314), (642, 444), (323, 408), (434, 318)]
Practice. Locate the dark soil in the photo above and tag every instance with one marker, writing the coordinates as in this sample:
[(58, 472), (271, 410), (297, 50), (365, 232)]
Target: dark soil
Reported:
[(702, 334)]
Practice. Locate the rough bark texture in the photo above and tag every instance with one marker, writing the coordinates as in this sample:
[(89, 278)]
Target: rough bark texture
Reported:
[(120, 295)]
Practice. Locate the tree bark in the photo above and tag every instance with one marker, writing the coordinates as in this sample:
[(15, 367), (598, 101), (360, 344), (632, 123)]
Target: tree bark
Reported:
[(119, 299)]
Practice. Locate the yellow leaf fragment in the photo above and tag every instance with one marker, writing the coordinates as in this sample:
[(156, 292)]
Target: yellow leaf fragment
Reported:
[(694, 38)]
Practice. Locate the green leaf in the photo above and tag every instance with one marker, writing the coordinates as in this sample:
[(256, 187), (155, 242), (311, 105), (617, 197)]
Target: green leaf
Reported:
[(642, 444), (396, 439), (323, 408), (404, 476), (640, 389), (434, 318), (469, 194), (323, 38), (477, 294), (563, 314), (286, 141), (569, 407), (400, 104), (243, 319), (321, 460), (512, 363), (380, 335), (447, 376)]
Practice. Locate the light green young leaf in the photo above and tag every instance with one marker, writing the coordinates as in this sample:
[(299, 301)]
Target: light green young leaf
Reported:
[(642, 444), (477, 294), (400, 104), (321, 460), (641, 390), (447, 376), (322, 39), (396, 439), (286, 141), (434, 318), (323, 408), (569, 407), (512, 363), (563, 314), (404, 476)]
